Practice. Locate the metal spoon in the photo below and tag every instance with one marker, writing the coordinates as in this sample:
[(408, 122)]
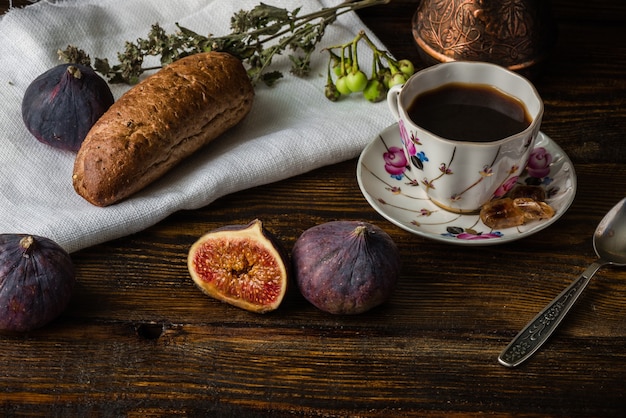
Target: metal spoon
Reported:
[(609, 243)]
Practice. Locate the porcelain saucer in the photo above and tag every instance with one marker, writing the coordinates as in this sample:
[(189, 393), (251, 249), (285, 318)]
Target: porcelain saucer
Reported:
[(400, 199)]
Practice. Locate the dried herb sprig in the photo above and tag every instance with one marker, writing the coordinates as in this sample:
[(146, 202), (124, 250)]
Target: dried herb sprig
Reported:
[(257, 36)]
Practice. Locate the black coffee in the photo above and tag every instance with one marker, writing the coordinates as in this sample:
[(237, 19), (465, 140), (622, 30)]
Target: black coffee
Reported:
[(467, 112)]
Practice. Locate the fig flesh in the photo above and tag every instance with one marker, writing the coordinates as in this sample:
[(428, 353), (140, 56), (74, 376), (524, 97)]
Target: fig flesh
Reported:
[(243, 265), (36, 281), (346, 267), (61, 105)]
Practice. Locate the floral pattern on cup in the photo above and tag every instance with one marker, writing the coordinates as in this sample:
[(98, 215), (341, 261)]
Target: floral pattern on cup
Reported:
[(395, 162), (539, 165), (536, 172)]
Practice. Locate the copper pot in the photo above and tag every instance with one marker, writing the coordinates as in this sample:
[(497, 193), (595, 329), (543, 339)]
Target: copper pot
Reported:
[(517, 34)]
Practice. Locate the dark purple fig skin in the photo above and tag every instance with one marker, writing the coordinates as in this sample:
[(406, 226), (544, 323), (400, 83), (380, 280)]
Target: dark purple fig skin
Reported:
[(61, 105), (346, 267), (36, 281)]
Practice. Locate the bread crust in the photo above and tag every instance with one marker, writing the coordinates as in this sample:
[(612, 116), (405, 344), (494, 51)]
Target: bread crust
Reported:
[(159, 122)]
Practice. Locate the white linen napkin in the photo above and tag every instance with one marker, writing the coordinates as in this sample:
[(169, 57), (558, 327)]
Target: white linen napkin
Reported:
[(291, 129)]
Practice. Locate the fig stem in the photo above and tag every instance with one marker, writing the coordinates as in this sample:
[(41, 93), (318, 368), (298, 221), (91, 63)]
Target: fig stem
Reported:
[(360, 230), (27, 243), (74, 72)]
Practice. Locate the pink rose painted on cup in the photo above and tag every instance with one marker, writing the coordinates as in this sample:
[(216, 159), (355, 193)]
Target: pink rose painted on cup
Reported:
[(395, 161), (406, 139), (506, 186), (539, 163)]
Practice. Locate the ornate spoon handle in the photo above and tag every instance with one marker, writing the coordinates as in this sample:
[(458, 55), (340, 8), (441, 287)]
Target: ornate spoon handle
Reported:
[(537, 331)]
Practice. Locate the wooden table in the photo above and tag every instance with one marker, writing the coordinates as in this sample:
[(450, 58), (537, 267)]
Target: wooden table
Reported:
[(140, 340)]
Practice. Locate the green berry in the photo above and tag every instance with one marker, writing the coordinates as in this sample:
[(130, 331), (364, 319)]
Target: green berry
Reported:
[(337, 70), (331, 92), (397, 78), (375, 91), (384, 75), (406, 67), (356, 81), (342, 85)]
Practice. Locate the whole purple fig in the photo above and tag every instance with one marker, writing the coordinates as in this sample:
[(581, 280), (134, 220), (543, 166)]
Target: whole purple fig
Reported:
[(61, 105), (36, 281), (346, 267)]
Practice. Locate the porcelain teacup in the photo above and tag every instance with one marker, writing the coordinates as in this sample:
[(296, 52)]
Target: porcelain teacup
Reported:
[(461, 175)]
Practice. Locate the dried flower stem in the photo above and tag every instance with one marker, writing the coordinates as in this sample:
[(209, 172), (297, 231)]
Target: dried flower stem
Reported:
[(251, 41)]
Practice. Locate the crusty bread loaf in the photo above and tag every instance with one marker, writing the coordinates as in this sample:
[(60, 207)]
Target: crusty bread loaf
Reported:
[(159, 122)]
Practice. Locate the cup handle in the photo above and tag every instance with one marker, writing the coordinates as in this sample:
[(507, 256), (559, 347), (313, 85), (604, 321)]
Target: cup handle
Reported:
[(392, 100)]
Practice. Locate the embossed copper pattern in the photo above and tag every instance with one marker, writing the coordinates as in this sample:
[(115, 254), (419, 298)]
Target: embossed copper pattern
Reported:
[(517, 34)]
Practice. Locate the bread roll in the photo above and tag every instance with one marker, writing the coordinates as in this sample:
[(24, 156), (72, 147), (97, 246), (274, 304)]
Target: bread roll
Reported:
[(158, 123)]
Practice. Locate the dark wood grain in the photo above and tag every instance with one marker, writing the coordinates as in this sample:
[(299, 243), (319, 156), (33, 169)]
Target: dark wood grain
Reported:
[(138, 338)]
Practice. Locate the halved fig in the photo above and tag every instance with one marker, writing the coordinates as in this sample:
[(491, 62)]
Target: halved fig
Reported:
[(243, 265)]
